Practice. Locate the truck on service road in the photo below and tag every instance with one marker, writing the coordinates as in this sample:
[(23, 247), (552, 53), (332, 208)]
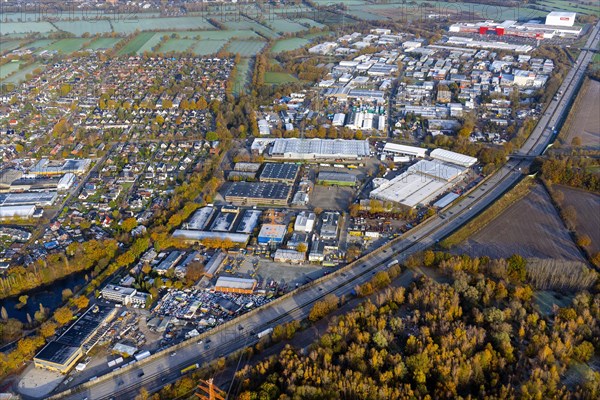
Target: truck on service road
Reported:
[(264, 333), (392, 263), (190, 368), (116, 361), (142, 355)]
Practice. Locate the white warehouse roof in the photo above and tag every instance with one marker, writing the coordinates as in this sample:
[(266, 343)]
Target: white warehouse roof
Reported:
[(17, 211), (403, 149), (453, 157), (410, 189), (236, 283), (437, 169), (201, 235), (320, 148)]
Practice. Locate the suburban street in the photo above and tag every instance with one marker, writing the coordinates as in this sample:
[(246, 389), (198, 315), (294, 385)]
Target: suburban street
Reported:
[(158, 371)]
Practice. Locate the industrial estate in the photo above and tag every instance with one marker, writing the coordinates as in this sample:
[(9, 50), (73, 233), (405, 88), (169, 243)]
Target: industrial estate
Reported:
[(180, 195)]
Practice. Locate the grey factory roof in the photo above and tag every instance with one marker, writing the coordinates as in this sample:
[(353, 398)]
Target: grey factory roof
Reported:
[(332, 148), (284, 171), (200, 235), (55, 352), (336, 176), (81, 330), (259, 190)]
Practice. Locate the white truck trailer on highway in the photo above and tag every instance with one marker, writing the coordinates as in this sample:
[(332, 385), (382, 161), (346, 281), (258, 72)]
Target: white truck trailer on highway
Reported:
[(116, 361), (142, 355), (264, 333)]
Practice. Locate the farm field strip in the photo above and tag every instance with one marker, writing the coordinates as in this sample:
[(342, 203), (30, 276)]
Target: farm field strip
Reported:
[(245, 48)]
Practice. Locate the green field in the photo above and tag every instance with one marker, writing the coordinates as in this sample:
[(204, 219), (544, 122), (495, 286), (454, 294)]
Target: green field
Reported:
[(103, 43), (25, 27), (39, 44), (136, 43), (565, 5), (285, 26), (172, 23), (288, 44), (253, 26), (276, 78), (309, 22), (19, 76), (177, 45), (8, 69), (6, 46), (80, 27), (245, 48), (207, 47), (66, 46), (152, 42)]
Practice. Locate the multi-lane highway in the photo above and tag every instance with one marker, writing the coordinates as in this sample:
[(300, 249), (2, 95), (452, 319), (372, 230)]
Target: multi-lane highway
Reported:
[(156, 372)]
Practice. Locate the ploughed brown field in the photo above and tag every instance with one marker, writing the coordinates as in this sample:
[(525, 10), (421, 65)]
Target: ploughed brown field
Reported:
[(585, 122), (531, 227)]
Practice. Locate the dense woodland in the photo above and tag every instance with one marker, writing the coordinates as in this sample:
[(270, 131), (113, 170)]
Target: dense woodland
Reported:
[(579, 172), (478, 335)]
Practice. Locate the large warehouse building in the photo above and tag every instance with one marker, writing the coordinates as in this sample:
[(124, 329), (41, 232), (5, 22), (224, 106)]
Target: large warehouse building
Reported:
[(258, 193), (320, 149), (199, 236), (401, 149), (426, 180), (453, 157), (62, 354), (557, 24), (283, 173), (559, 18)]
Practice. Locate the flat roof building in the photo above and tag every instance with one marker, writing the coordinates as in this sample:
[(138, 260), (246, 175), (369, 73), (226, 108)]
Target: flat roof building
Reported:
[(230, 284), (410, 189), (307, 149), (200, 218), (438, 169), (329, 225), (305, 222), (249, 221), (560, 18), (289, 256), (271, 234), (199, 236), (7, 212), (394, 148), (48, 167), (223, 222), (284, 173), (255, 193), (58, 357), (123, 295), (453, 157), (61, 355), (37, 198), (336, 178)]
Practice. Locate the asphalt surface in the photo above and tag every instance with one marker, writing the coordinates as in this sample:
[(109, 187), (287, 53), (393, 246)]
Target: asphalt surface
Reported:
[(156, 373)]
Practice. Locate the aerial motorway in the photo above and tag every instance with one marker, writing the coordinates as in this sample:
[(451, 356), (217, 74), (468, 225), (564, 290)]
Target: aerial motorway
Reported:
[(169, 365)]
